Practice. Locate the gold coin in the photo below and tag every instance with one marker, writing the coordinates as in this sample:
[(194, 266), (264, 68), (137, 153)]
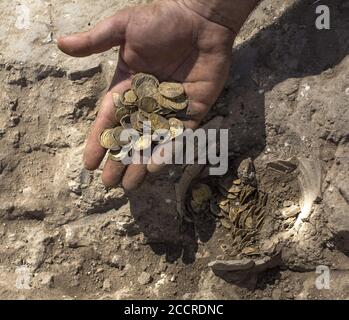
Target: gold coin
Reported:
[(117, 132), (116, 99), (229, 185), (120, 155), (233, 213), (108, 141), (176, 127), (143, 143), (171, 90), (146, 90), (249, 222), (162, 111), (175, 130), (130, 97), (134, 121), (243, 208), (234, 189), (144, 85), (174, 105), (237, 182), (147, 104), (224, 205), (141, 78), (142, 117), (120, 113), (226, 224), (158, 122), (126, 121)]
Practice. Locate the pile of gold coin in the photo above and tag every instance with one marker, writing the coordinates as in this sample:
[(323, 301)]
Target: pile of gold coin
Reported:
[(147, 102), (237, 203)]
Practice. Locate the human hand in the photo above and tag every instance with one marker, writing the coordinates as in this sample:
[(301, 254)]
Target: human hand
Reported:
[(166, 39)]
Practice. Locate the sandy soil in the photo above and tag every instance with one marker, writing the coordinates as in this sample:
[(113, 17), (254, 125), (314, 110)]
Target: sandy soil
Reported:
[(62, 235)]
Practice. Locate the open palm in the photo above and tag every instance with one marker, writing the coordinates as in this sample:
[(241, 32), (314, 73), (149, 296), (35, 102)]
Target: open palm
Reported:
[(168, 40)]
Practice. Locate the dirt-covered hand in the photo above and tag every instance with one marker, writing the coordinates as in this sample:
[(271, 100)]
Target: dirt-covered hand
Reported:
[(167, 39)]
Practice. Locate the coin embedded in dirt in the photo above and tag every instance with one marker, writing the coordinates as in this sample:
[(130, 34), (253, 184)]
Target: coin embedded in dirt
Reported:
[(236, 202)]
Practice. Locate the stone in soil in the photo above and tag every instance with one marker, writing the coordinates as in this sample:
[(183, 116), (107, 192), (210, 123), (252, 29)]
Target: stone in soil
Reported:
[(145, 278)]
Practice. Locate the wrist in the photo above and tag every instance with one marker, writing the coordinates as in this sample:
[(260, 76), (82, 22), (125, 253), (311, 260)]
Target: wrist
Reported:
[(229, 13)]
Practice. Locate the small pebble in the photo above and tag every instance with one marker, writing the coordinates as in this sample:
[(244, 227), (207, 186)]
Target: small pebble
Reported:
[(287, 203), (145, 278), (106, 285)]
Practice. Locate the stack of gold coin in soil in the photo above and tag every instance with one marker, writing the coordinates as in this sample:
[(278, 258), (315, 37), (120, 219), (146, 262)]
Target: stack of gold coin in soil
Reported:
[(147, 102), (236, 202)]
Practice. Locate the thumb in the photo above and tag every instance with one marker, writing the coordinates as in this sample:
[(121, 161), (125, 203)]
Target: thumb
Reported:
[(104, 36)]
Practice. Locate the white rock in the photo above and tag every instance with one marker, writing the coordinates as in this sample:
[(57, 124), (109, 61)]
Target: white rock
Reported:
[(291, 211), (117, 262)]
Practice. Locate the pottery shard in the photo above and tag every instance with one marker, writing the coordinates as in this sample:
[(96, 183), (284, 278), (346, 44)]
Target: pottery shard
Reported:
[(231, 265)]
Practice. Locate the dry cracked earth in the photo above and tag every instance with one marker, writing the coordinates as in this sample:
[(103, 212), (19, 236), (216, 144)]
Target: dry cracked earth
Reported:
[(64, 236)]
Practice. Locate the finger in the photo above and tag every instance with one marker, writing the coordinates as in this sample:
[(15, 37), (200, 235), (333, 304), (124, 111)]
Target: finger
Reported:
[(104, 36), (136, 172), (163, 155), (112, 173), (202, 97), (94, 152), (134, 176)]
